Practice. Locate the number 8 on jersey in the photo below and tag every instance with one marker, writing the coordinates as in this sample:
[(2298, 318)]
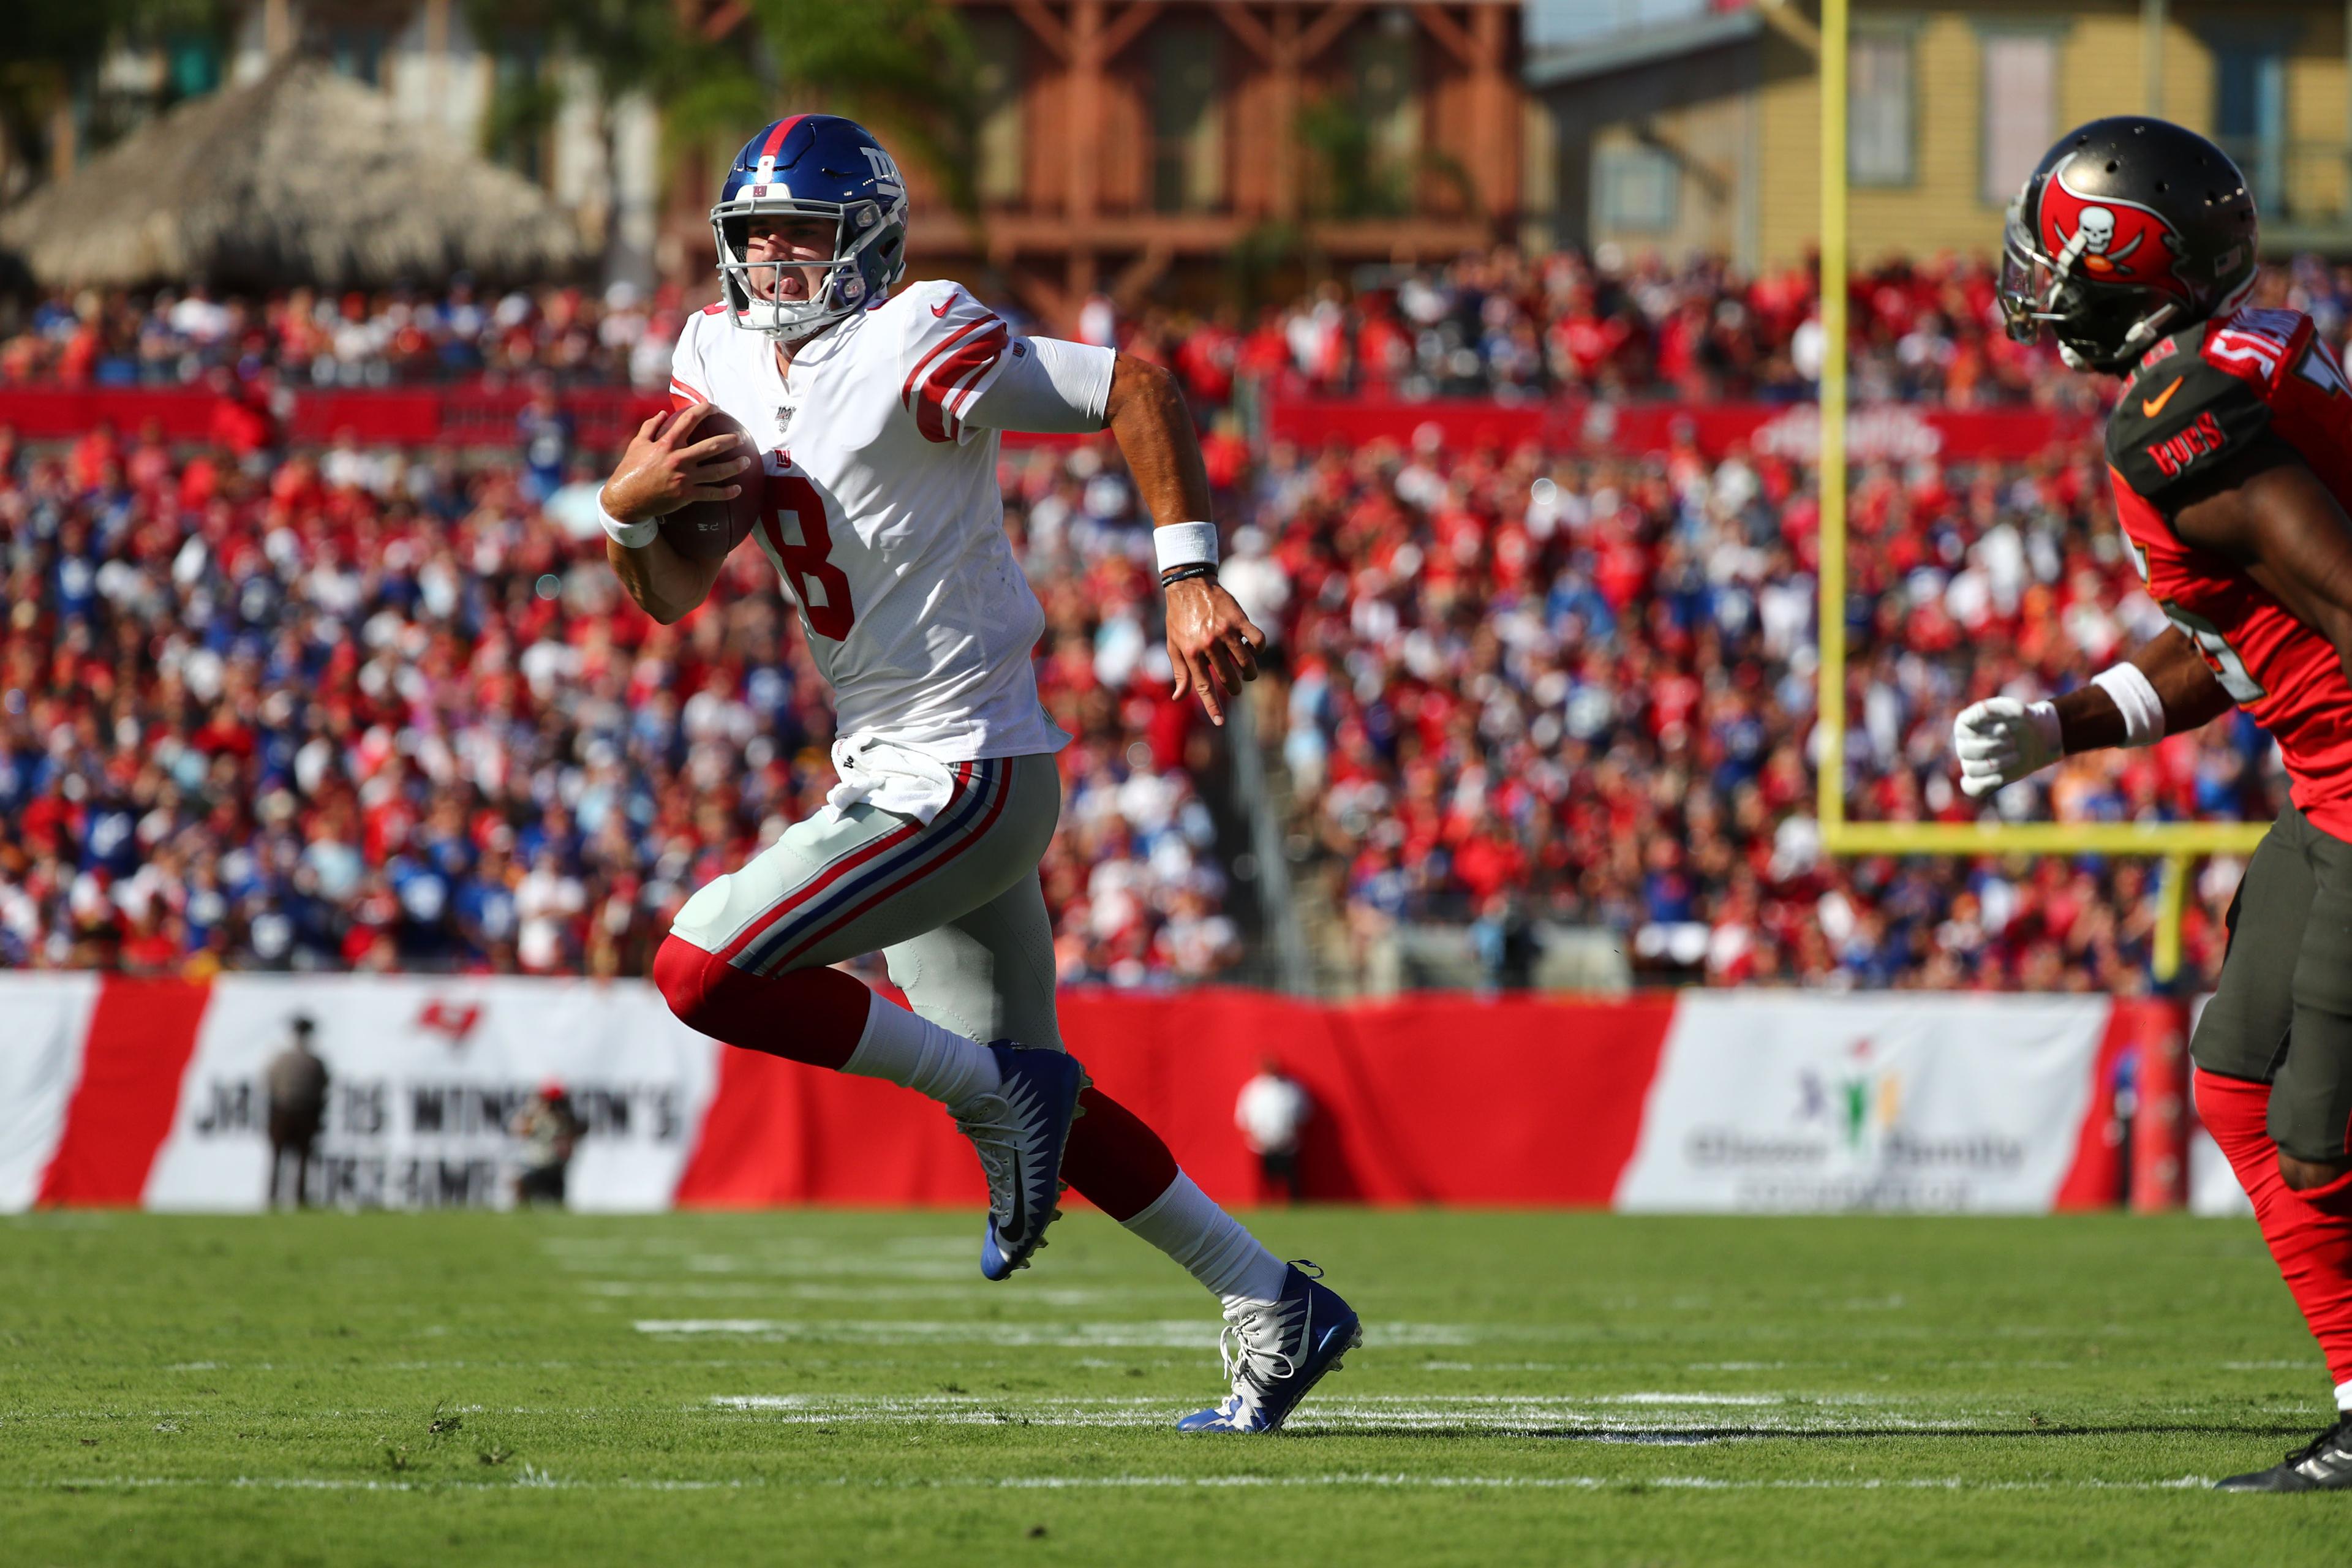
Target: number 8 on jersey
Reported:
[(794, 527)]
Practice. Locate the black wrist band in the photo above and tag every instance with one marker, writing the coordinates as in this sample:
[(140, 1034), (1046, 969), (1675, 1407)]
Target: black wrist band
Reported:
[(1169, 579)]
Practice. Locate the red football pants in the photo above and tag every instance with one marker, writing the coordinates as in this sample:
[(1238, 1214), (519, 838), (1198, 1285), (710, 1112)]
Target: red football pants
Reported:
[(2309, 1232)]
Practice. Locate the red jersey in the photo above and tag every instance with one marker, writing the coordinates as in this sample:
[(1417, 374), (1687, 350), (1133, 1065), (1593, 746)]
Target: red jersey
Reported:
[(2206, 391)]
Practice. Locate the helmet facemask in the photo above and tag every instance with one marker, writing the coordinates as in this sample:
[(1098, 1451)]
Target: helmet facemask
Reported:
[(867, 254), (2099, 327)]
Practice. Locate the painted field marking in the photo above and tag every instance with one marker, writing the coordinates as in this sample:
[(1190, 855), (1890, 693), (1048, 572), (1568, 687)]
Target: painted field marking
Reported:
[(530, 1480), (1162, 1334), (1681, 1419)]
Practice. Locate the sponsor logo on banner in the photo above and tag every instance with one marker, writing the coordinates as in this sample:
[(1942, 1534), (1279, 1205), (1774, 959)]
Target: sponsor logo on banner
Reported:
[(1889, 433), (423, 1086), (1803, 1104)]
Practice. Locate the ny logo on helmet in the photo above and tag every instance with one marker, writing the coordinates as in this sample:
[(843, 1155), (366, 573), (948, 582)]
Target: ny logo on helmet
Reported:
[(886, 173), (2106, 239)]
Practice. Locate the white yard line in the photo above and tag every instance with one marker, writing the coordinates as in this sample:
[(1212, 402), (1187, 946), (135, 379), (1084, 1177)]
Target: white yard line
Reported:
[(1185, 1333), (1682, 1419), (530, 1480)]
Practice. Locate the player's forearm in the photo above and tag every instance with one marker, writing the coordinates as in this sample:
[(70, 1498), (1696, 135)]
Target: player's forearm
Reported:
[(1147, 419), (662, 583), (2089, 717)]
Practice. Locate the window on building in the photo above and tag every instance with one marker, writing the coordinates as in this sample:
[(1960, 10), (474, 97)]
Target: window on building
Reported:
[(1637, 188), (194, 64), (1188, 140), (356, 51), (997, 174), (2249, 115), (2019, 113), (1880, 104)]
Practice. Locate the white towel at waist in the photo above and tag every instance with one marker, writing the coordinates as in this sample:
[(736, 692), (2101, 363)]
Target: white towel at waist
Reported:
[(889, 777)]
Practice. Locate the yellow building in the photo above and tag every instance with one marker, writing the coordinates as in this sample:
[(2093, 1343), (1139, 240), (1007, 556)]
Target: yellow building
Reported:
[(1703, 136)]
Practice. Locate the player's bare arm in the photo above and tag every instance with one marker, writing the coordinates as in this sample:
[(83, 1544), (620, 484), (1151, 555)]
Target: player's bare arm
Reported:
[(1212, 644), (2273, 516), (2090, 719), (663, 470), (2164, 689)]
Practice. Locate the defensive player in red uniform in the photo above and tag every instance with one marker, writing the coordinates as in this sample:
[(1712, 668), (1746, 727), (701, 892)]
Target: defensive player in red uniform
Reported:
[(2230, 449)]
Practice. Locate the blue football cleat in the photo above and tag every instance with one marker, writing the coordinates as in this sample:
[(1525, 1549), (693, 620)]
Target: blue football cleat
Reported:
[(1273, 1354), (1019, 1132)]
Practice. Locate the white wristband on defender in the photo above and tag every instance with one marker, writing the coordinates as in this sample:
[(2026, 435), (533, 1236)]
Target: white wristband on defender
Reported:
[(627, 535), (2135, 697), (1185, 544)]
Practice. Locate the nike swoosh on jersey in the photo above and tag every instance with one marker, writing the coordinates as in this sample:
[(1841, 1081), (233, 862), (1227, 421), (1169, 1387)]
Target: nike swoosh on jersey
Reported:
[(2150, 407), (942, 308)]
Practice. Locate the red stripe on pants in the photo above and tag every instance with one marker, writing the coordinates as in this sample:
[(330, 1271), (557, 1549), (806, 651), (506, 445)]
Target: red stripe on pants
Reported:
[(817, 884), (2309, 1232), (142, 1035)]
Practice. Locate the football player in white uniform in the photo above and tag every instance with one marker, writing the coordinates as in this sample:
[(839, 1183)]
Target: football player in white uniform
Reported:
[(875, 411)]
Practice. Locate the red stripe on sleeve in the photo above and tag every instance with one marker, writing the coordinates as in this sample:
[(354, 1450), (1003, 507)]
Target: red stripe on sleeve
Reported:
[(914, 376), (950, 376), (141, 1035)]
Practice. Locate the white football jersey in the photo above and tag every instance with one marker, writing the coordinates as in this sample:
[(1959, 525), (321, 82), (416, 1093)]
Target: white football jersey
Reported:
[(883, 516)]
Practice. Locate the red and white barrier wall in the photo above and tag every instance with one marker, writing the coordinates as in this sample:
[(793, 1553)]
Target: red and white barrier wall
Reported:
[(148, 1092)]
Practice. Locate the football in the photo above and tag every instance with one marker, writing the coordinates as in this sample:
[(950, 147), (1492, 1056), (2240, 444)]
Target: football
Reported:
[(707, 529)]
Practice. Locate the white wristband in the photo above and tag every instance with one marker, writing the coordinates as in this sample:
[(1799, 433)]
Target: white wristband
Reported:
[(1185, 544), (627, 535), (2135, 697)]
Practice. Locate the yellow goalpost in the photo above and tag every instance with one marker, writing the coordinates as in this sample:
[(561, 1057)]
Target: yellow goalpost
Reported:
[(2174, 844)]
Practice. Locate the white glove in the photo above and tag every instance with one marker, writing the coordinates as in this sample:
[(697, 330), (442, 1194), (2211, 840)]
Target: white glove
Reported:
[(2001, 740)]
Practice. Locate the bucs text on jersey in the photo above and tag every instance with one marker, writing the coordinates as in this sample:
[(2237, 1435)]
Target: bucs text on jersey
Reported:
[(883, 516), (2195, 398)]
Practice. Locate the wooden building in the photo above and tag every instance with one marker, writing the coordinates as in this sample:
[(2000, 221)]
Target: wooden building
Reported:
[(1704, 136), (1134, 144)]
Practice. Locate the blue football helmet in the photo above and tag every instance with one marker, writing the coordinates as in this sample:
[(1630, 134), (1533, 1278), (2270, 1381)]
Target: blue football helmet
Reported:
[(813, 165)]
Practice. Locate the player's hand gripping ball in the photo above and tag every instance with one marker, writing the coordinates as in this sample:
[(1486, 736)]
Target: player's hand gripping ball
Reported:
[(697, 470), (2000, 739)]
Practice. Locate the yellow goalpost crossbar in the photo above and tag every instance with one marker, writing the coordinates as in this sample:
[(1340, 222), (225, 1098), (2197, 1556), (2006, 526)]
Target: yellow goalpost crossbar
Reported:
[(2174, 843)]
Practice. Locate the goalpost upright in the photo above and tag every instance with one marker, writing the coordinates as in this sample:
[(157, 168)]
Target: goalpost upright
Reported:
[(2173, 844)]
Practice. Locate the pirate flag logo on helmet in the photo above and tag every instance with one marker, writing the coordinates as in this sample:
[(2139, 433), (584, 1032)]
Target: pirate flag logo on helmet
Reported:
[(2109, 241)]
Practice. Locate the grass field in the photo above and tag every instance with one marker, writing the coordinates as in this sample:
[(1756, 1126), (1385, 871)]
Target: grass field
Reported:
[(843, 1387)]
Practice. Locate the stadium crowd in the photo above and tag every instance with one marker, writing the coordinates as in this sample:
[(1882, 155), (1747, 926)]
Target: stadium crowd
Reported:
[(1495, 325), (396, 715), (1525, 688), (367, 708)]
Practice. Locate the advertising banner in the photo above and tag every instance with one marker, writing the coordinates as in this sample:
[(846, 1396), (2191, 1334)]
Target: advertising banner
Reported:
[(116, 1091), (43, 1018), (424, 1078), (1780, 1102)]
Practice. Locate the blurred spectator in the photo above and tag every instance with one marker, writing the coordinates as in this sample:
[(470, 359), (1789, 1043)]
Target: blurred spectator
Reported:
[(549, 1130), (1272, 1112), (1508, 947), (295, 1083)]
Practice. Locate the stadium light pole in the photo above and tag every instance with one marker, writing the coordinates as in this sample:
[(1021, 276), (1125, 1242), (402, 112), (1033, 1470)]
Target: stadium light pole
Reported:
[(2172, 844)]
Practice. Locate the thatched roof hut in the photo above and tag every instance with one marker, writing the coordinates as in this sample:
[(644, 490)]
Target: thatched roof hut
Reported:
[(303, 176)]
